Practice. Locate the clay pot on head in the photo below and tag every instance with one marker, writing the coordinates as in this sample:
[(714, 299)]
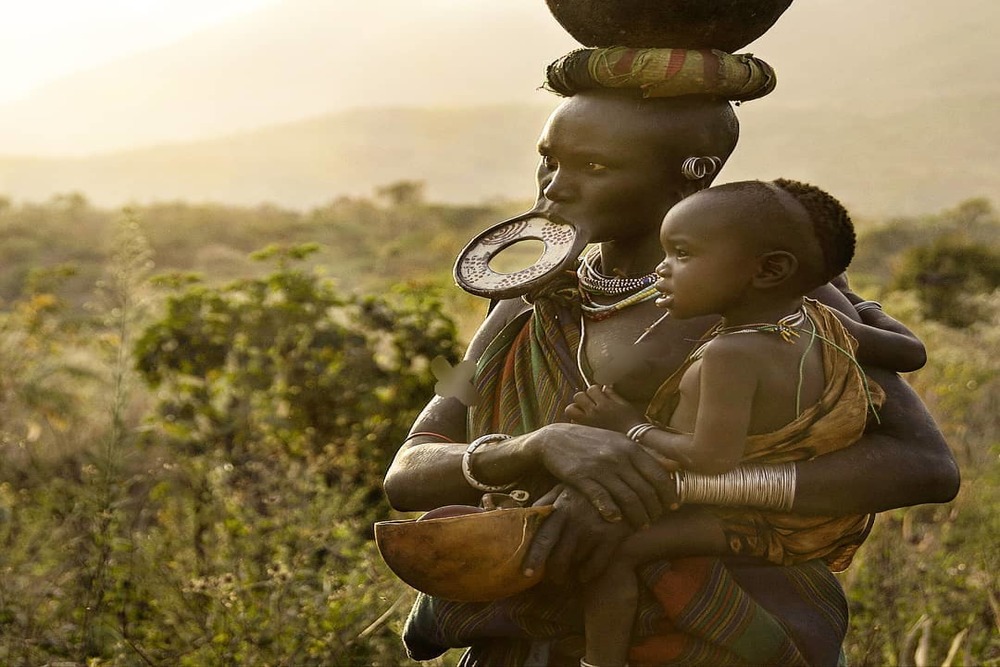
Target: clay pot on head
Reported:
[(463, 553), (727, 25)]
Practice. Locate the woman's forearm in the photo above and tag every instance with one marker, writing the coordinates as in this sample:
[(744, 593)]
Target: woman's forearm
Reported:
[(427, 474), (427, 470), (904, 461)]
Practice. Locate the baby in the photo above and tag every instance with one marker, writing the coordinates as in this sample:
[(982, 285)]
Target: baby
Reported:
[(775, 381)]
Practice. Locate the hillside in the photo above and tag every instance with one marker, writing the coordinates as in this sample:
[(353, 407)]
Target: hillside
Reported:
[(918, 160)]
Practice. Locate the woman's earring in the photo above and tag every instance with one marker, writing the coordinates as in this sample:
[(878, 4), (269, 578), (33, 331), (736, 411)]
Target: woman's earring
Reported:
[(697, 168)]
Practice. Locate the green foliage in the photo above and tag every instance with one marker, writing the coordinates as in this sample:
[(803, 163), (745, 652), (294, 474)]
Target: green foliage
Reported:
[(225, 517), (284, 366), (945, 274), (925, 585), (949, 261), (882, 243), (45, 383), (368, 244), (189, 475)]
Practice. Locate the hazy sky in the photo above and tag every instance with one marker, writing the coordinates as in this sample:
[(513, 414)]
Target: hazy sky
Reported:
[(42, 40)]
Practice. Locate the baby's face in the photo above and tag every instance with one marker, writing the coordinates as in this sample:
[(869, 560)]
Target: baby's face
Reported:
[(708, 265)]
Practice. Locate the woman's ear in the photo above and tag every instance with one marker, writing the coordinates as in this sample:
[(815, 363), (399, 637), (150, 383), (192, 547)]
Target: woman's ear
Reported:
[(774, 268)]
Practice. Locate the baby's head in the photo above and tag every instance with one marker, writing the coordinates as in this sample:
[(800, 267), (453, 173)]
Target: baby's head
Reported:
[(731, 242), (831, 227)]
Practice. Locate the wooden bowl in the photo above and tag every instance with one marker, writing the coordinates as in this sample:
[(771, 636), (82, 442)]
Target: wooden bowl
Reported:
[(727, 25), (471, 558)]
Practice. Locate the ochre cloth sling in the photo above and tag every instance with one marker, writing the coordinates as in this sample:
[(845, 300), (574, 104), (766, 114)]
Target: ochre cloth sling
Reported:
[(835, 422)]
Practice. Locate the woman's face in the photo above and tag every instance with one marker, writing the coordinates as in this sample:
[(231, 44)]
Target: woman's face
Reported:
[(603, 169)]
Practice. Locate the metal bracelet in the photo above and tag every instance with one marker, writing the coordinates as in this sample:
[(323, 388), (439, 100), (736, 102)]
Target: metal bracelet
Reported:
[(467, 460), (862, 306), (763, 486), (636, 432)]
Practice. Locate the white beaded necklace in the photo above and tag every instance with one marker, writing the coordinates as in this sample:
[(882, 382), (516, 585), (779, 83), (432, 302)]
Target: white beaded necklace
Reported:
[(595, 282)]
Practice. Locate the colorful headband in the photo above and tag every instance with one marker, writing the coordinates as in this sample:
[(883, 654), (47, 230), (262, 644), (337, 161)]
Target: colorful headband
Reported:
[(661, 72)]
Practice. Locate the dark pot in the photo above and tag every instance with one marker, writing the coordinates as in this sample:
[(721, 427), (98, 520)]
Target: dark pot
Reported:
[(727, 25)]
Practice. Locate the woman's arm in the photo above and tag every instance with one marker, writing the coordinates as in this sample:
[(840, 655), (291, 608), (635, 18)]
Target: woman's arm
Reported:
[(427, 469), (902, 461)]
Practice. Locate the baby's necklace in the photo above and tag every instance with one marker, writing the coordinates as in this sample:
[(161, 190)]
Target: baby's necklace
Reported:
[(787, 327)]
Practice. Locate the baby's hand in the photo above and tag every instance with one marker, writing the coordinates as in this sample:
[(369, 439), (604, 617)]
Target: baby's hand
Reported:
[(600, 406)]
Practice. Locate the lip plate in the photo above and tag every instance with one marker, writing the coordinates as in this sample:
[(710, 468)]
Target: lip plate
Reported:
[(563, 242)]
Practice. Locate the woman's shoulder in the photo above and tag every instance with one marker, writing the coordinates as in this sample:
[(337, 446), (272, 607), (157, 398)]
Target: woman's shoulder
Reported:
[(501, 314)]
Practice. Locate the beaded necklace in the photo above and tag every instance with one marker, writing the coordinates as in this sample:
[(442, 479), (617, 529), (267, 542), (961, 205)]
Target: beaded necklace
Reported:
[(593, 283), (787, 327)]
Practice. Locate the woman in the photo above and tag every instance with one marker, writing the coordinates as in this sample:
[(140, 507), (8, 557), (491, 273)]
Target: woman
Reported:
[(614, 164)]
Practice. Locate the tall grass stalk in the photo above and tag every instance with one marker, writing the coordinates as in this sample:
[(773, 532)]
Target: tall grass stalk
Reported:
[(121, 301)]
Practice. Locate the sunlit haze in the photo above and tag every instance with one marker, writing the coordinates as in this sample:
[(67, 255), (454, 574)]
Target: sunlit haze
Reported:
[(43, 40), (890, 103)]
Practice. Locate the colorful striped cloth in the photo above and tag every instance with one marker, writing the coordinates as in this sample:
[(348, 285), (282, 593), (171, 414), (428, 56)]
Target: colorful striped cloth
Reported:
[(528, 374), (705, 612), (694, 611), (661, 72)]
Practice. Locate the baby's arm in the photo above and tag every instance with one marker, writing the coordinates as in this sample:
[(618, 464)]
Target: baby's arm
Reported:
[(728, 382), (882, 340), (601, 407), (727, 385)]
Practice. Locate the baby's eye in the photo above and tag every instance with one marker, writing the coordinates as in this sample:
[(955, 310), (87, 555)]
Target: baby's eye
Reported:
[(595, 166), (679, 253), (550, 162)]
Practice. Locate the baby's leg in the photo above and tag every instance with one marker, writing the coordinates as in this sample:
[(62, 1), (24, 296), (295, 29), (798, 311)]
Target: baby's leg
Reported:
[(690, 531), (609, 611), (612, 598)]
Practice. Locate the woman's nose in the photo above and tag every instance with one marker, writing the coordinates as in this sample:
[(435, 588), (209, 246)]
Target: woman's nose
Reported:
[(557, 187)]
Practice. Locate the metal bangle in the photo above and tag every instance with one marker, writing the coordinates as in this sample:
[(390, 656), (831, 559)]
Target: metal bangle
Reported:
[(763, 486), (467, 460), (867, 305), (636, 432)]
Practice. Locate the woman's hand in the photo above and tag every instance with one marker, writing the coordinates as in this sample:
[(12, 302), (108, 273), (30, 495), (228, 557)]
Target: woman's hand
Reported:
[(574, 538), (617, 476)]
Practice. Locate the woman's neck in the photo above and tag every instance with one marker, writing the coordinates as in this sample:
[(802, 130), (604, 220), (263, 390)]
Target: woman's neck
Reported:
[(634, 257)]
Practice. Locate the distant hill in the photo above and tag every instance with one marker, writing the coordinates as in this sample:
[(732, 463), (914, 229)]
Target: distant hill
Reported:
[(464, 155), (303, 58), (918, 160)]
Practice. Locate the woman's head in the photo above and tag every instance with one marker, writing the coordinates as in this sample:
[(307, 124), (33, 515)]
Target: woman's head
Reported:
[(611, 160)]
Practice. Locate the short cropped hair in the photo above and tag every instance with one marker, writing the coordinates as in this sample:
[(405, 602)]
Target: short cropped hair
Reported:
[(831, 224), (688, 126)]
